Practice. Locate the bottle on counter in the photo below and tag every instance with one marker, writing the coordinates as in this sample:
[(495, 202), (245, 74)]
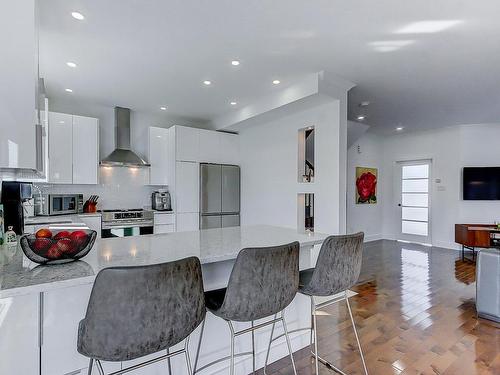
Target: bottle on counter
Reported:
[(10, 236)]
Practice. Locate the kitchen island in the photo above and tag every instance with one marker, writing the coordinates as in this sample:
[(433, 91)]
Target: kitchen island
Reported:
[(40, 306)]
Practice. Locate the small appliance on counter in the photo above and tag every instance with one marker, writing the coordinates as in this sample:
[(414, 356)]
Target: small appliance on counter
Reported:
[(90, 205), (14, 194), (160, 201), (58, 204)]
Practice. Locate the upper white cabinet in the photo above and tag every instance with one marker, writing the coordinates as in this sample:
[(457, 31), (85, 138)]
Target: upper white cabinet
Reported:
[(229, 148), (187, 143), (18, 77), (73, 149), (159, 144), (85, 150), (210, 146), (60, 148)]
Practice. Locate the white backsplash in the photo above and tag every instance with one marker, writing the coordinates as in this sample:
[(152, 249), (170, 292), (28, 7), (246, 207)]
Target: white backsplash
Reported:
[(118, 188)]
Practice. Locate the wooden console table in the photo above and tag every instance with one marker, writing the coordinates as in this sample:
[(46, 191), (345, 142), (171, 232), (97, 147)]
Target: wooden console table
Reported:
[(471, 236)]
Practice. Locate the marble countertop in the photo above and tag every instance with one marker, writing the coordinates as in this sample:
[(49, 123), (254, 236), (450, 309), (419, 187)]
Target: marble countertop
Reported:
[(19, 276), (73, 218)]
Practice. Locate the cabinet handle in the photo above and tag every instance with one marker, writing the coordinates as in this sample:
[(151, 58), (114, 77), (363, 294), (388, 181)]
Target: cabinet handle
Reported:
[(40, 319)]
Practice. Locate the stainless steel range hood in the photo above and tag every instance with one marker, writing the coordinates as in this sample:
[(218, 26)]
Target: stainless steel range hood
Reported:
[(123, 156)]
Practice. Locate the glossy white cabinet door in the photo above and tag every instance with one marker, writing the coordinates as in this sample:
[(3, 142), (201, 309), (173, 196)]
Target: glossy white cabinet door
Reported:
[(62, 311), (164, 228), (18, 77), (60, 148), (85, 150), (187, 187), (187, 222), (93, 222), (229, 148), (187, 143), (210, 146), (158, 156), (19, 350)]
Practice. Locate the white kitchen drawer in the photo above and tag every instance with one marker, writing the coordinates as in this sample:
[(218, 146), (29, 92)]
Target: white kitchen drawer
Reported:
[(168, 228), (164, 218)]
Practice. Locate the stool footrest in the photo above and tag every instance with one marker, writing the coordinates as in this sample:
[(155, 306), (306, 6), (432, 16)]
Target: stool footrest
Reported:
[(221, 360)]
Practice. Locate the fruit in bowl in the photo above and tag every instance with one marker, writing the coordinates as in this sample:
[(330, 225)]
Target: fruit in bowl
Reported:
[(53, 247)]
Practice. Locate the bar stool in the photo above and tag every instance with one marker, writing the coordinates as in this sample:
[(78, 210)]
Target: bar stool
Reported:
[(337, 269), (263, 283), (136, 311)]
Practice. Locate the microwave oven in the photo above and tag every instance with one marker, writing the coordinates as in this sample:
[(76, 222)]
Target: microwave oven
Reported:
[(58, 204)]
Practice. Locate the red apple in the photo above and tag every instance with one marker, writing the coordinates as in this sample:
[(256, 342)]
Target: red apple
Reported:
[(62, 234), (41, 244), (54, 252), (65, 245), (78, 237), (43, 233)]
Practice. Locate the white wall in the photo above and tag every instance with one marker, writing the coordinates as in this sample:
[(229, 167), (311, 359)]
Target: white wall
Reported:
[(365, 217), (269, 168), (450, 149)]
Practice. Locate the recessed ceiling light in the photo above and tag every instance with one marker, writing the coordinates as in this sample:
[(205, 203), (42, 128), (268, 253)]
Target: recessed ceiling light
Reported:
[(276, 82), (390, 45), (425, 27), (207, 82), (361, 117), (233, 103), (163, 108), (68, 90), (78, 16), (235, 62), (399, 128), (71, 64)]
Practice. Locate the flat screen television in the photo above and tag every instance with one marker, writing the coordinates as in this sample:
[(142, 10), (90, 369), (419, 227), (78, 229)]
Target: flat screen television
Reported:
[(481, 183)]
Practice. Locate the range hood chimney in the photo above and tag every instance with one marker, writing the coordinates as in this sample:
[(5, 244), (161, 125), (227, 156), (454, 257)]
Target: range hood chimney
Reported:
[(123, 156)]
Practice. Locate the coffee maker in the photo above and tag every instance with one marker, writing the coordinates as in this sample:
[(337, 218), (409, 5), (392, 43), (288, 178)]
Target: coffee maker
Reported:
[(14, 194), (160, 201)]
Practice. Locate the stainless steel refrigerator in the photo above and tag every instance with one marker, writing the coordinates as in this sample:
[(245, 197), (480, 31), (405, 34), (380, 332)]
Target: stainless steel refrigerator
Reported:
[(219, 196)]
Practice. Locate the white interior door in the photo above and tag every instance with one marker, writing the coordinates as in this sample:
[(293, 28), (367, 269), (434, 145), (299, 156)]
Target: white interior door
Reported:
[(413, 181)]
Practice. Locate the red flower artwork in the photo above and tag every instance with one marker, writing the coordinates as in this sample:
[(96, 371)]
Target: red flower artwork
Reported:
[(366, 186)]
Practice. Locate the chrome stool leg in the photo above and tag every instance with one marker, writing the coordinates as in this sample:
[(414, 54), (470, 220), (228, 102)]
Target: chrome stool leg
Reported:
[(188, 360), (288, 342), (232, 347), (99, 367), (356, 333), (199, 346), (91, 364), (253, 349), (314, 331), (269, 346)]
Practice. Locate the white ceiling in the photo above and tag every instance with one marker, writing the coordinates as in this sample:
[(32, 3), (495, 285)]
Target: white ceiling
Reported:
[(144, 54)]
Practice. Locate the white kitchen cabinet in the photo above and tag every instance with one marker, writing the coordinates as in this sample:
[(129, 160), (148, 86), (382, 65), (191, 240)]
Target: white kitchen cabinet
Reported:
[(73, 149), (229, 148), (159, 156), (93, 222), (187, 187), (62, 311), (187, 221), (210, 146), (19, 335), (187, 143), (18, 77), (164, 222), (85, 150), (60, 148)]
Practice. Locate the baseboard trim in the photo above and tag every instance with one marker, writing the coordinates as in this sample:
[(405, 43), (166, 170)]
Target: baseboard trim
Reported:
[(374, 237)]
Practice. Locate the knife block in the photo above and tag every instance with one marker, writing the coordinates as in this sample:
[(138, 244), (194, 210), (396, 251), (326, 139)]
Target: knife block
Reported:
[(89, 207)]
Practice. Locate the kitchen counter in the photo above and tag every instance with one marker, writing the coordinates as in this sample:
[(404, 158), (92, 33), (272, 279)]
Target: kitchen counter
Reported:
[(19, 276)]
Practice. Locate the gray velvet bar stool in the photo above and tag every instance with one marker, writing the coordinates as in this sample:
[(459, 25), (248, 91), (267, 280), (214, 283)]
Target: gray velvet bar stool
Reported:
[(337, 269), (137, 311), (263, 282)]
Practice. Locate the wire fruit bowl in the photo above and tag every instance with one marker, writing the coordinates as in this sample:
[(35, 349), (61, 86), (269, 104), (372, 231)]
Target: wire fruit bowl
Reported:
[(62, 247)]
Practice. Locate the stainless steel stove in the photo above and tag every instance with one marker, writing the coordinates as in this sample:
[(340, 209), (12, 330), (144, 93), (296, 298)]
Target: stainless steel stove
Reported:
[(125, 223)]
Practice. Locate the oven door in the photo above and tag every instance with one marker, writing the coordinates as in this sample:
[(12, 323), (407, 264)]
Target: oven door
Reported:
[(126, 230)]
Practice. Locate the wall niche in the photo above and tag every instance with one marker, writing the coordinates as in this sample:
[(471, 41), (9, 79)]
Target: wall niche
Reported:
[(306, 166)]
